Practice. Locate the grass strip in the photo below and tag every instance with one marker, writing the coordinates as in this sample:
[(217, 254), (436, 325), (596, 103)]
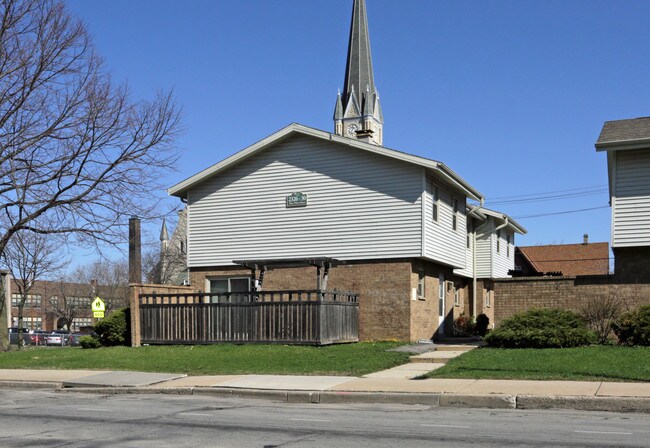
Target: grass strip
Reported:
[(597, 363), (223, 359)]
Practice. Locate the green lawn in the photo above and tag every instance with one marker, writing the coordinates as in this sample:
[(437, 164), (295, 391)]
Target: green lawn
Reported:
[(345, 359), (598, 363)]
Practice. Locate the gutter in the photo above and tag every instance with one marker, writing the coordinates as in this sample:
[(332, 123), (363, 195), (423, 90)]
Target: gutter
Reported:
[(471, 212)]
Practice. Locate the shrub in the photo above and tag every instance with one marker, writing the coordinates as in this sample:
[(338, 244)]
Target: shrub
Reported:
[(600, 313), (482, 322), (633, 328), (464, 325), (89, 342), (115, 329), (541, 328)]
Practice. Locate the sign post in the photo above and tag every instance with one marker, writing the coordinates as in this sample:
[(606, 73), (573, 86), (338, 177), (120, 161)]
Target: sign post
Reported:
[(98, 306)]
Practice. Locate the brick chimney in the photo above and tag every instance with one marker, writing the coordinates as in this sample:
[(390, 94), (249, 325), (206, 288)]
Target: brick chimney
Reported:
[(135, 251), (585, 239)]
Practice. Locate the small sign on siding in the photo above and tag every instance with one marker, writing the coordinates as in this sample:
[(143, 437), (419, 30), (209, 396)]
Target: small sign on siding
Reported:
[(297, 200)]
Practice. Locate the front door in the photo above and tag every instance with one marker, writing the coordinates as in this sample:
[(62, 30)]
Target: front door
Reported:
[(441, 304)]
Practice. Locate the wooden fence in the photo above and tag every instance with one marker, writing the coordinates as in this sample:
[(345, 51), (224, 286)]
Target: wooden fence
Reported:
[(288, 317)]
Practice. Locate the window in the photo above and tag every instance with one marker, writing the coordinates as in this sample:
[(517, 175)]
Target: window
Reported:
[(436, 202), (508, 245), (32, 300), (232, 289), (454, 218), (33, 323), (457, 295), (441, 295), (421, 284), (498, 241), (488, 298), (80, 322), (469, 234)]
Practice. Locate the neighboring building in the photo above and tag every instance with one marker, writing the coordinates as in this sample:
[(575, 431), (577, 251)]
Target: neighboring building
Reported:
[(51, 305), (171, 268), (563, 259), (398, 223), (627, 143)]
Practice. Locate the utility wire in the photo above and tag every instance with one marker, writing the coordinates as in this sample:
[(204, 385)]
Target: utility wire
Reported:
[(562, 213), (548, 192)]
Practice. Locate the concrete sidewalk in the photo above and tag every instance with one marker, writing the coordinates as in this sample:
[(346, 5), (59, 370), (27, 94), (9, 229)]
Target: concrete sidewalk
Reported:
[(583, 395)]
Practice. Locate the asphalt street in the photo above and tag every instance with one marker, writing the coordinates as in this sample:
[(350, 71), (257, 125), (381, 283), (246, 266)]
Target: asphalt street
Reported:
[(37, 418)]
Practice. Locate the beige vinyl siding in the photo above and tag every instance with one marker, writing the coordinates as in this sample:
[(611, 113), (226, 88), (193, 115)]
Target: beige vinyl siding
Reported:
[(360, 206), (484, 248), (501, 263), (631, 202), (443, 244), (468, 271)]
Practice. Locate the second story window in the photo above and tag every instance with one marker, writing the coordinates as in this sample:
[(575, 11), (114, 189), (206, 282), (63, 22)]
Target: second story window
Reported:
[(435, 192), (469, 235), (498, 241), (454, 218), (508, 236)]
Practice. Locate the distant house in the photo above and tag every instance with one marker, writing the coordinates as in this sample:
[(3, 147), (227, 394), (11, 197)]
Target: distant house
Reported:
[(563, 259), (627, 143)]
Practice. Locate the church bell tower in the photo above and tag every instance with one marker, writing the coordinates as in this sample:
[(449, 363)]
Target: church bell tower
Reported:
[(357, 113)]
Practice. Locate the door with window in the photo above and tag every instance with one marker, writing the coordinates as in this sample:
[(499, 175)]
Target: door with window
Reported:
[(441, 304), (230, 290)]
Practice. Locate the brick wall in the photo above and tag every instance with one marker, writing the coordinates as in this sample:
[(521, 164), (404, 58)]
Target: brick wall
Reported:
[(515, 295), (383, 287)]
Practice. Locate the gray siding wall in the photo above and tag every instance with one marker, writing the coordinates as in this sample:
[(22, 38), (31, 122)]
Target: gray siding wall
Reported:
[(361, 206), (484, 249), (442, 243), (468, 271), (631, 201)]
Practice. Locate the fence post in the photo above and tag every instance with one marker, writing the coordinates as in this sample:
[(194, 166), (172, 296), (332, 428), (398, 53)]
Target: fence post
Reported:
[(134, 302)]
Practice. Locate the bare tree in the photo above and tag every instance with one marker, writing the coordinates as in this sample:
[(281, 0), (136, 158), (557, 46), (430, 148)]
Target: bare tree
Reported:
[(77, 154), (30, 256), (110, 280)]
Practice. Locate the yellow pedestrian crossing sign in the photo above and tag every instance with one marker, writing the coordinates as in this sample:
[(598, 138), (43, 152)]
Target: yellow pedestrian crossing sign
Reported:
[(98, 307)]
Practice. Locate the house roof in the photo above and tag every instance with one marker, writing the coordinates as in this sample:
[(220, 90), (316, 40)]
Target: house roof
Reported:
[(512, 224), (181, 188), (633, 132), (570, 259)]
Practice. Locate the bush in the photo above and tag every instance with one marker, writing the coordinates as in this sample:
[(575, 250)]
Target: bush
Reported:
[(482, 322), (541, 328), (464, 325), (633, 328), (115, 329), (89, 342), (600, 313)]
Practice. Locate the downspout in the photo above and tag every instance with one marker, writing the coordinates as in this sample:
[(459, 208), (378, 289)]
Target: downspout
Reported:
[(475, 208)]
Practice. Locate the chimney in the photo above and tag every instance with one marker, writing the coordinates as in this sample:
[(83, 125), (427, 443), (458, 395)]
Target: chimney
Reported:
[(135, 252), (585, 239)]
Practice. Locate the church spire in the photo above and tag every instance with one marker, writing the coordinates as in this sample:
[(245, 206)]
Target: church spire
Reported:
[(359, 113)]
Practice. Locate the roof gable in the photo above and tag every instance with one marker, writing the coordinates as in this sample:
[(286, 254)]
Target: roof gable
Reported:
[(181, 188), (633, 132)]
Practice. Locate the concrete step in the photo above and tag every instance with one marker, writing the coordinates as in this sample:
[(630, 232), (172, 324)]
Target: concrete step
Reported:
[(436, 357), (454, 347)]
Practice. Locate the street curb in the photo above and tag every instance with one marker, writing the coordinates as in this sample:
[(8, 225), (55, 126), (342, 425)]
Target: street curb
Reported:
[(612, 404), (492, 401), (478, 401), (30, 385)]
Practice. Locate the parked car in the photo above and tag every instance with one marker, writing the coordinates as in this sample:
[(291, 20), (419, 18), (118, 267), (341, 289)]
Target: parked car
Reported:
[(74, 338), (58, 337), (13, 336), (38, 337)]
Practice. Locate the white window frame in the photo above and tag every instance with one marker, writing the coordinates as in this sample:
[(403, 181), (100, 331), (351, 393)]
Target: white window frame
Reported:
[(488, 298), (498, 233), (421, 291), (454, 214), (456, 295)]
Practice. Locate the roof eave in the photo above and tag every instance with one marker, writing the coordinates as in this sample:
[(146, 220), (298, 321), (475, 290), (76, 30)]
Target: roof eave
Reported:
[(639, 143)]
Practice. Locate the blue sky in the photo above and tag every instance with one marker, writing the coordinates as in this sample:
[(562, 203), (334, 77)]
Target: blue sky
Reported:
[(510, 94)]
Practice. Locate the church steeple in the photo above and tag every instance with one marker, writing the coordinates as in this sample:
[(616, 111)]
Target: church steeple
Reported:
[(358, 112)]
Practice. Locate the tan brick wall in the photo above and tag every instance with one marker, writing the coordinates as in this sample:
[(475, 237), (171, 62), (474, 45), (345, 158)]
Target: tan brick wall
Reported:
[(482, 307), (573, 293), (383, 287)]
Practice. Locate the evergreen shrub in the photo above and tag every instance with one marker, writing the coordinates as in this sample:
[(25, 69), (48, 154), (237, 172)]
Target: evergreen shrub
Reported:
[(542, 328), (633, 328), (115, 329)]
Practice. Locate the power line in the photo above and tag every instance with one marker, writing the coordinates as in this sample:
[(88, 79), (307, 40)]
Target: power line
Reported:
[(550, 197), (549, 192), (562, 213)]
